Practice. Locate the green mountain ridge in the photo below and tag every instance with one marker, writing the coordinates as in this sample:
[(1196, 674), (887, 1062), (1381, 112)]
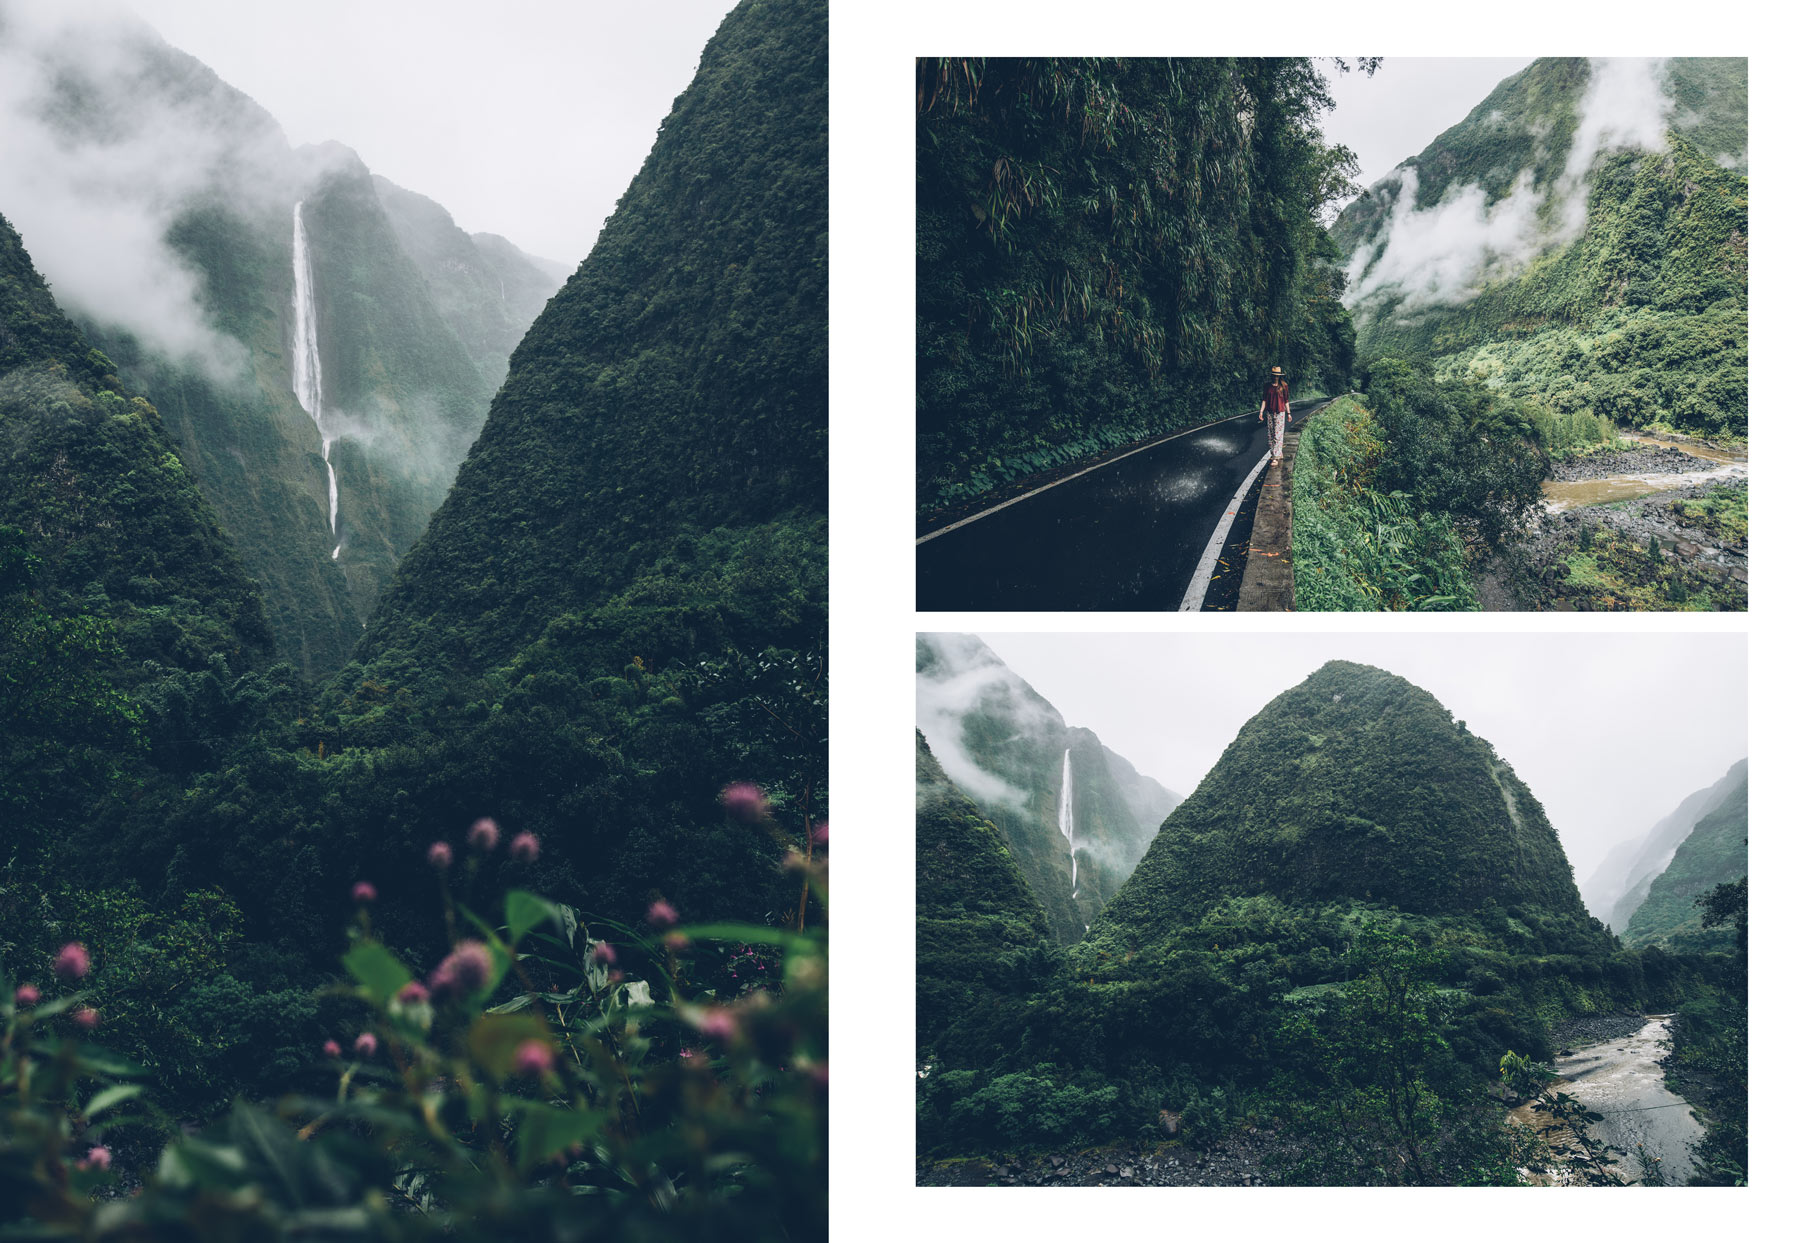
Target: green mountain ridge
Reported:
[(1354, 786), (403, 393), (1623, 878), (972, 906), (1618, 287), (1016, 742), (1716, 852)]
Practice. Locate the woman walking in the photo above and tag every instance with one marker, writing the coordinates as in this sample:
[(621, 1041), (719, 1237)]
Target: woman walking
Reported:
[(1275, 401)]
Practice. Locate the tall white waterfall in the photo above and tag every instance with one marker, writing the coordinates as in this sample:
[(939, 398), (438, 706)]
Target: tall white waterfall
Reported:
[(1065, 820), (308, 387)]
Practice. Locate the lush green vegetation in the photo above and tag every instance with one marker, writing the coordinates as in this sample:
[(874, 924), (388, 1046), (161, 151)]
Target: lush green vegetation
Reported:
[(979, 928), (453, 1109), (1019, 738), (1642, 318), (1355, 785), (604, 673), (1327, 941), (1356, 548), (1111, 247)]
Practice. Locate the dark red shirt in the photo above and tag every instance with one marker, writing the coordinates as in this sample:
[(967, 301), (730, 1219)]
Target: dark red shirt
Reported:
[(1275, 398)]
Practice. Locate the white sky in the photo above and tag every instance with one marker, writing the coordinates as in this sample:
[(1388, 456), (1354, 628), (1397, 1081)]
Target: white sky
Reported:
[(1409, 102), (526, 118), (1610, 731)]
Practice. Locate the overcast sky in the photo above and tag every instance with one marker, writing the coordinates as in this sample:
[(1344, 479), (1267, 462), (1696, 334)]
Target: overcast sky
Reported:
[(1409, 101), (527, 118), (1609, 731)]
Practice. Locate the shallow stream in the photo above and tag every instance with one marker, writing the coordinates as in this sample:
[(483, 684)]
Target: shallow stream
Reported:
[(1570, 493), (1621, 1080)]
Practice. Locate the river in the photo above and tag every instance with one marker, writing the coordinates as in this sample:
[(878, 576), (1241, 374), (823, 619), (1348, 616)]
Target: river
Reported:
[(1621, 1080), (1727, 464)]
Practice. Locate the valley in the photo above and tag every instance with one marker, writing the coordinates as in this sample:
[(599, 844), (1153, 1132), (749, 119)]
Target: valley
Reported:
[(1354, 954), (413, 667)]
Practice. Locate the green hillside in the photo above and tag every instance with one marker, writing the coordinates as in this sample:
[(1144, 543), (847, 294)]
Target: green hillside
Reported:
[(1018, 747), (1353, 786), (402, 393), (673, 391), (126, 612), (1110, 247), (973, 907), (1618, 288), (1716, 852)]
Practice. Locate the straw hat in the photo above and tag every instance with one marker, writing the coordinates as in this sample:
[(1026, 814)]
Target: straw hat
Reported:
[(1275, 371)]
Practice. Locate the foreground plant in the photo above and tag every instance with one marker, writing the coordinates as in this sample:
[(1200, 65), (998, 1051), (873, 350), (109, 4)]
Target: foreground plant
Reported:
[(553, 1075)]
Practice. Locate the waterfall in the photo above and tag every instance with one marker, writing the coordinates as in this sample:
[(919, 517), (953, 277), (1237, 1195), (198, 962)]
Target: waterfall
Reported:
[(308, 386), (1065, 820)]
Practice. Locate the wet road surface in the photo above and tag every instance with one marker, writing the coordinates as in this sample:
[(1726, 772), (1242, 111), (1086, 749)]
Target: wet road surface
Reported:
[(1125, 536)]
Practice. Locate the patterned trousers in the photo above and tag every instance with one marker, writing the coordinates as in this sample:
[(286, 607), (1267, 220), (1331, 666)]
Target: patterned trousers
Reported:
[(1277, 431)]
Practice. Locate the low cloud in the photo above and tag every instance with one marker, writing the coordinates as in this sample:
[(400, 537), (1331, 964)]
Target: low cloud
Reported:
[(100, 154), (1444, 254), (966, 677)]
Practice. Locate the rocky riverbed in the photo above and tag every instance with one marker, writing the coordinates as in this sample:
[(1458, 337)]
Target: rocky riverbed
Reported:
[(1234, 1161), (1656, 460)]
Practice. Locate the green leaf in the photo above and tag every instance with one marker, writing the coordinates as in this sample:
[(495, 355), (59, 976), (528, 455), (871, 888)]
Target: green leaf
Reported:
[(544, 1132), (106, 1098), (525, 911), (377, 970), (750, 934)]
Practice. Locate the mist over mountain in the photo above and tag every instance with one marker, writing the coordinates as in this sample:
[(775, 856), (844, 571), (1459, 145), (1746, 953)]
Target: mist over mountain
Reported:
[(1618, 886), (1580, 238), (1716, 852), (161, 204), (1075, 815)]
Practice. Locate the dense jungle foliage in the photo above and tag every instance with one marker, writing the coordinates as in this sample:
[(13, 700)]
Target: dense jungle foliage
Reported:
[(1018, 738), (1107, 248), (1358, 786), (977, 918), (1323, 973), (651, 735), (1642, 317)]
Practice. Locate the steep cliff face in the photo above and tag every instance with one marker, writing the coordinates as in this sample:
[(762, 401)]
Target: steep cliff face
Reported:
[(1075, 815), (1353, 786), (162, 205), (1581, 238)]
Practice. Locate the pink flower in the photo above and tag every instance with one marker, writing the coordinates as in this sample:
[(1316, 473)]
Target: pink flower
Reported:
[(677, 940), (333, 1049), (26, 995), (362, 891), (439, 856), (602, 952), (98, 1158), (525, 848), (821, 1075), (821, 833), (687, 1053), (87, 1018), (533, 1057), (661, 914), (413, 993), (744, 801), (366, 1045), (484, 834), (72, 961), (464, 970), (718, 1024)]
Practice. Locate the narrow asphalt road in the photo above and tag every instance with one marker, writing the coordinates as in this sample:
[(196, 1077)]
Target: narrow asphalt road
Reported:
[(1127, 535)]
